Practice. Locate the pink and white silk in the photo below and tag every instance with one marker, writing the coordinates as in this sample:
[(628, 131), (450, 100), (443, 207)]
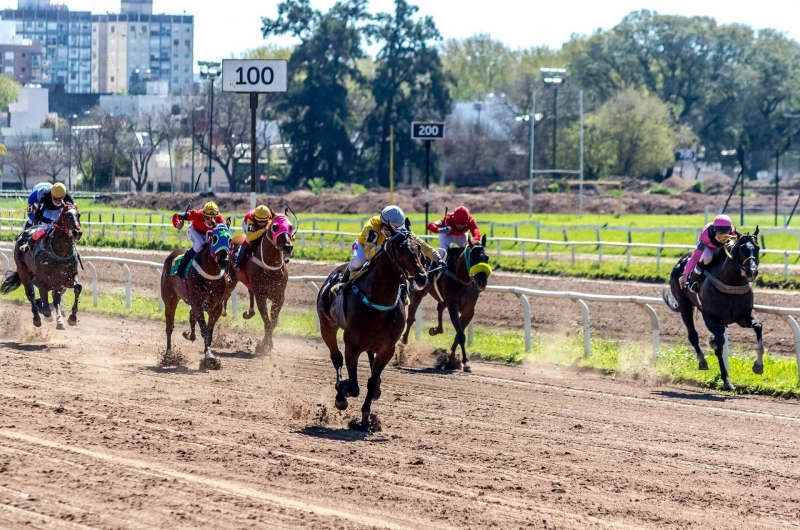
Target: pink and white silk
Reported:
[(704, 243)]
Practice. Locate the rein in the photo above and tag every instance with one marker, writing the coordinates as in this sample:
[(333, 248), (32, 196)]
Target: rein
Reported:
[(63, 228), (263, 265), (725, 288), (396, 265)]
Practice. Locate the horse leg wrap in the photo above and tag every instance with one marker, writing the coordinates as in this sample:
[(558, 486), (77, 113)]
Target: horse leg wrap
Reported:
[(78, 289)]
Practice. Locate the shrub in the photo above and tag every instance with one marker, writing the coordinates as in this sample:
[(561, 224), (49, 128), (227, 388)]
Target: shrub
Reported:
[(554, 187), (358, 189), (659, 190), (697, 187), (316, 185)]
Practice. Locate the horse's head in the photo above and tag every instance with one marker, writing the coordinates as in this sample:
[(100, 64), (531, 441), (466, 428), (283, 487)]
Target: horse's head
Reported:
[(403, 249), (220, 244), (70, 221), (744, 252), (281, 233), (477, 263)]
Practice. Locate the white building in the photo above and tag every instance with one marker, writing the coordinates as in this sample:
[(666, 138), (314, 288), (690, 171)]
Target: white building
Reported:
[(31, 108)]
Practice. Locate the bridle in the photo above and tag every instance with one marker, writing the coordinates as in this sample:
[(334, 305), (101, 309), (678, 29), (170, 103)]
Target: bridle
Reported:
[(392, 252), (66, 209), (752, 256)]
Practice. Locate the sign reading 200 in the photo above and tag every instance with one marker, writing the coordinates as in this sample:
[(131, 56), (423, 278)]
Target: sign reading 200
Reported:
[(427, 130)]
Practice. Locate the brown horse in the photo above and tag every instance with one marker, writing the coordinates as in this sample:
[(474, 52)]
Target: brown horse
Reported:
[(203, 289), (50, 265), (457, 288), (371, 312), (266, 275)]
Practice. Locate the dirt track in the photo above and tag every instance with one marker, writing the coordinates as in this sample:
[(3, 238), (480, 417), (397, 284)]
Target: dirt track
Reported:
[(93, 435)]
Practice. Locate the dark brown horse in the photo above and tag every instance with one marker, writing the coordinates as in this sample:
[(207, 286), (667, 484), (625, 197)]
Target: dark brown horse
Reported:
[(725, 298), (266, 275), (371, 312), (457, 288), (50, 265), (203, 289)]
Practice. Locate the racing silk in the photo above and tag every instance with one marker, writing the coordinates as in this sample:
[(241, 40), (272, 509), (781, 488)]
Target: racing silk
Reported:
[(252, 231), (35, 198), (197, 220), (372, 238), (704, 241), (47, 212), (447, 220)]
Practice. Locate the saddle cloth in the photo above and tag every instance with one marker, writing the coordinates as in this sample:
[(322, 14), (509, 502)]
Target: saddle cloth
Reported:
[(176, 263)]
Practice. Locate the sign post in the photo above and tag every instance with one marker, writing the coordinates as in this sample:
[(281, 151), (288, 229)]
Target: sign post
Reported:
[(256, 76), (427, 131)]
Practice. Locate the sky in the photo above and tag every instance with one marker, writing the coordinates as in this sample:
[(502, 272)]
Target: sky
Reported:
[(226, 28)]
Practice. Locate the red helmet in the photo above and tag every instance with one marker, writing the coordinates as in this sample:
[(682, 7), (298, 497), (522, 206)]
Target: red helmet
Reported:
[(461, 215)]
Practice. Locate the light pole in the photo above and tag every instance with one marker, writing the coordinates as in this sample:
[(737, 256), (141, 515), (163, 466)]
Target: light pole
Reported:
[(210, 70), (71, 121), (554, 78), (194, 109)]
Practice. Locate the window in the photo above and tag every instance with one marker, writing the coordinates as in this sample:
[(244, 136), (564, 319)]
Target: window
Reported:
[(186, 69), (9, 70), (23, 69), (176, 42), (112, 29), (9, 56), (174, 55), (188, 29), (133, 29), (175, 68), (188, 42), (185, 55), (24, 54), (112, 78)]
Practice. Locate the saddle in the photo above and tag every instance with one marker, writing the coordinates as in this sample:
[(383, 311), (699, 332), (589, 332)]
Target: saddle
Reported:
[(176, 263)]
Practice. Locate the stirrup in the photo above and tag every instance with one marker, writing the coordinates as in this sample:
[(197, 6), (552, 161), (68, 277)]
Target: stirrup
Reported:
[(336, 289), (24, 247)]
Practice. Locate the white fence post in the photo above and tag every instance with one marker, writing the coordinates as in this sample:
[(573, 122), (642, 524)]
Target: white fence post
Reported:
[(654, 329), (127, 285), (587, 328), (95, 293), (418, 323), (158, 290), (471, 332), (726, 351), (796, 332), (5, 260), (316, 292), (235, 303), (526, 315)]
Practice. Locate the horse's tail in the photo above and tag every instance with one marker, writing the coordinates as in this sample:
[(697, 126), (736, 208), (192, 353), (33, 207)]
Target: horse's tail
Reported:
[(11, 283), (670, 300)]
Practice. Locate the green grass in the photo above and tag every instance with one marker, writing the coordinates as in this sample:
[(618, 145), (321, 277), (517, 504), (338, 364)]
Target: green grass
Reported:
[(675, 363)]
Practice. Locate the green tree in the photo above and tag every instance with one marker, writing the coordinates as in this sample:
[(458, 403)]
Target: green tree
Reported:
[(630, 135), (9, 90), (316, 102), (409, 83), (480, 65), (268, 51)]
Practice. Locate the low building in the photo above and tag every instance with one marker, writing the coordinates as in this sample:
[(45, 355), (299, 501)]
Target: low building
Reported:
[(31, 109), (137, 105)]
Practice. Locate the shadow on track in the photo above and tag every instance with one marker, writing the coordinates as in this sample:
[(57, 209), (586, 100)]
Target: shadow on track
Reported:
[(24, 347), (693, 396)]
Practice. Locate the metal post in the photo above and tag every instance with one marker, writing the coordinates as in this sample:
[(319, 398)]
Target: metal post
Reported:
[(418, 323), (471, 333), (587, 328), (158, 290), (555, 125), (532, 154), (796, 332), (391, 164), (235, 304), (210, 133), (427, 180), (741, 202), (316, 292), (193, 138), (95, 294), (777, 161), (580, 196), (127, 286), (253, 148), (726, 351)]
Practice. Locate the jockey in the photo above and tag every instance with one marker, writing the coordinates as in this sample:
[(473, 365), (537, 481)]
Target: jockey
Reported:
[(254, 225), (455, 227), (34, 199), (48, 211), (201, 222), (374, 234), (712, 240)]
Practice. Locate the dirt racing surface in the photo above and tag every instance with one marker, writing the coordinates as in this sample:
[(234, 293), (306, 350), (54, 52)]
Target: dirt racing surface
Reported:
[(94, 435)]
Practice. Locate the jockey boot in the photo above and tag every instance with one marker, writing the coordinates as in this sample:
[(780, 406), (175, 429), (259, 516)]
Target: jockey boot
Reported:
[(185, 261), (336, 289), (404, 294), (694, 280), (241, 257)]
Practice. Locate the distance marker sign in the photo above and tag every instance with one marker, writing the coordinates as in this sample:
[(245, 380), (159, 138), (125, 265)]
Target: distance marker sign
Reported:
[(427, 130), (254, 75)]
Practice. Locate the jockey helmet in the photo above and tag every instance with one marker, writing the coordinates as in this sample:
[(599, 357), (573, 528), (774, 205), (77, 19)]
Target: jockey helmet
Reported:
[(210, 209), (461, 215), (262, 214), (58, 191), (723, 224), (393, 216)]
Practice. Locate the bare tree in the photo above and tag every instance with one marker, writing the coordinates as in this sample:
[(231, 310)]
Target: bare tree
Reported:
[(140, 144), (23, 156), (54, 159)]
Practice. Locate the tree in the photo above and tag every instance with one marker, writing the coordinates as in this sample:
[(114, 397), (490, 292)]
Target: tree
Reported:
[(54, 160), (140, 144), (9, 92), (480, 64), (629, 135), (23, 156), (316, 101), (409, 83)]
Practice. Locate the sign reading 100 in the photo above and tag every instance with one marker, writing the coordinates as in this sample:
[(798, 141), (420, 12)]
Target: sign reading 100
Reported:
[(253, 76), (427, 130)]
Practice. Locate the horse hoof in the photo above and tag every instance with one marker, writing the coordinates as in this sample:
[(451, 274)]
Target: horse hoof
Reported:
[(37, 322), (702, 364), (377, 394), (728, 386), (60, 326), (341, 404), (370, 423), (758, 368), (188, 336), (224, 313), (72, 321), (247, 315), (434, 331), (353, 391), (467, 368)]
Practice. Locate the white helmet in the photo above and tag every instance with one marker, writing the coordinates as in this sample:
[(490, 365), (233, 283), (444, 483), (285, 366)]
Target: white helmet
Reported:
[(393, 216)]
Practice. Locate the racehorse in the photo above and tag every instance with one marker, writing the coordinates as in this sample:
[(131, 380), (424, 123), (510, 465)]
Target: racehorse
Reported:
[(457, 288), (266, 274), (371, 312), (51, 264), (725, 298), (203, 288)]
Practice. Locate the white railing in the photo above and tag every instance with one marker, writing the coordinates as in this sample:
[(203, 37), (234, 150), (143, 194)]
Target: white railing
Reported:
[(646, 303)]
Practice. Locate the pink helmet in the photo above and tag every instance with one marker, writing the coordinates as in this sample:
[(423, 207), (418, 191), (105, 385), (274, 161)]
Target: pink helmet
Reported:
[(723, 223)]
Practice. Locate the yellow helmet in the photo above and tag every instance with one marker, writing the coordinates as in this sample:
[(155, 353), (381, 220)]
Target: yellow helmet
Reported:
[(58, 191), (210, 209), (262, 214)]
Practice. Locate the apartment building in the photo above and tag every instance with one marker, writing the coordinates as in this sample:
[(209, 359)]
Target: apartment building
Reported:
[(66, 37), (135, 46), (20, 59)]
